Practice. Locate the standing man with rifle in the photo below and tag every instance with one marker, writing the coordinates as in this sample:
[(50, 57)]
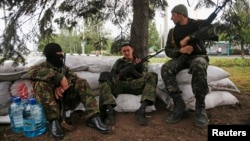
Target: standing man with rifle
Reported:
[(50, 85), (128, 75), (185, 46)]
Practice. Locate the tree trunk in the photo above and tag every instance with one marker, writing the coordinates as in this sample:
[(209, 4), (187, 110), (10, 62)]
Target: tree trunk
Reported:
[(139, 27)]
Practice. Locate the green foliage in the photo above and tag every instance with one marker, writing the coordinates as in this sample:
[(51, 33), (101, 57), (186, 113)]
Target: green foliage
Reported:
[(69, 40), (240, 76), (153, 36)]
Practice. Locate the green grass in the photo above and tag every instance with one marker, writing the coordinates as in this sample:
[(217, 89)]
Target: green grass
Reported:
[(238, 68)]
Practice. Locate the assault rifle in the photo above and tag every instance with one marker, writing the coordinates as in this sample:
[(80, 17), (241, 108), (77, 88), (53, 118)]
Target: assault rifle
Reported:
[(64, 124), (130, 68), (204, 33)]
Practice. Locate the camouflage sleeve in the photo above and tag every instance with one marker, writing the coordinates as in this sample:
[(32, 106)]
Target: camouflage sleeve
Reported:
[(145, 67), (171, 49), (39, 73), (71, 76), (114, 69), (142, 68)]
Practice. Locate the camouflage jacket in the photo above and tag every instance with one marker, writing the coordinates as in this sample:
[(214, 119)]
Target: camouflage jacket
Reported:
[(48, 73), (176, 34)]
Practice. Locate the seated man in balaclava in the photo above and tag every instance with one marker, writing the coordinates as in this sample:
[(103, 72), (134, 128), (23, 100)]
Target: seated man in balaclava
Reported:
[(53, 81)]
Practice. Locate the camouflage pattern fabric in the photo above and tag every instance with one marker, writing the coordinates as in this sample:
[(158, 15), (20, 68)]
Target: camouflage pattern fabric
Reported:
[(197, 67), (146, 85), (45, 78)]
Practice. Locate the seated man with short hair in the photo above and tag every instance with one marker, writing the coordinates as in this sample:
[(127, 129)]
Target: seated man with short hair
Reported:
[(136, 81)]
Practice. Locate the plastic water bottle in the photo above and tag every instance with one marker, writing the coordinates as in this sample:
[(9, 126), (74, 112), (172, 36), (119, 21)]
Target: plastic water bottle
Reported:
[(15, 113), (34, 122)]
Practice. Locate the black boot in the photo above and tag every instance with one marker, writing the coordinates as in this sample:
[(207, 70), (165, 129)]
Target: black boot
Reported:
[(109, 116), (141, 113), (96, 122), (201, 118), (141, 117), (179, 111), (56, 130)]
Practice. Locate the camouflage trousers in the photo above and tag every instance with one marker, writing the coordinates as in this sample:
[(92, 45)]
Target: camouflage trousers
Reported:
[(79, 91), (145, 86), (197, 67)]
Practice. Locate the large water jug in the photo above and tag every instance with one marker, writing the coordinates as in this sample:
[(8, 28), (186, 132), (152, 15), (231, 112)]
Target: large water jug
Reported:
[(15, 113), (34, 122)]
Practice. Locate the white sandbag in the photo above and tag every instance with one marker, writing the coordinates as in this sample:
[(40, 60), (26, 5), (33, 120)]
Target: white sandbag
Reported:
[(12, 76), (216, 98), (79, 68), (4, 92), (95, 64), (156, 67), (130, 103), (214, 73), (223, 85), (4, 119), (219, 98), (22, 88), (92, 78), (8, 67), (35, 60), (187, 93), (4, 108), (161, 85)]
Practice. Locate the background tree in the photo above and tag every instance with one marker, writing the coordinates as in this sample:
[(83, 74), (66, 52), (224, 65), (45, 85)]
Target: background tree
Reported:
[(68, 14), (126, 14), (234, 24), (153, 37)]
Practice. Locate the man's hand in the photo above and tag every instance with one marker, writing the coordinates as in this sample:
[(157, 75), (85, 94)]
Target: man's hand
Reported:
[(59, 92), (64, 85), (137, 60), (186, 49), (184, 41)]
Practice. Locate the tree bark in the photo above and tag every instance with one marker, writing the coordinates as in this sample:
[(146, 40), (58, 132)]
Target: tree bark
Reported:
[(139, 27)]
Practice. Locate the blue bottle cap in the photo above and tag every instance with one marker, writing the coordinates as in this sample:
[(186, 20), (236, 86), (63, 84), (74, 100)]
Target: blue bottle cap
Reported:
[(32, 101), (16, 99)]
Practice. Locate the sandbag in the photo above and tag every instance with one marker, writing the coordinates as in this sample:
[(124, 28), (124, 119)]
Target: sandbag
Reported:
[(214, 99), (214, 73), (130, 103), (223, 85), (91, 77), (4, 92)]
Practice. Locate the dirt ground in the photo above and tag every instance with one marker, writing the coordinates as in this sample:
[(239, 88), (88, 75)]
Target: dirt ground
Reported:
[(126, 129)]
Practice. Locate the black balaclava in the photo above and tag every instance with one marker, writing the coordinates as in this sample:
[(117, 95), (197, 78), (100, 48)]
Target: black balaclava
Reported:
[(51, 56)]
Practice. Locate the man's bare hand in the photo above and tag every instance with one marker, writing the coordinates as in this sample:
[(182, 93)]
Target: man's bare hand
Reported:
[(137, 60), (64, 83), (184, 41), (186, 49), (59, 92)]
